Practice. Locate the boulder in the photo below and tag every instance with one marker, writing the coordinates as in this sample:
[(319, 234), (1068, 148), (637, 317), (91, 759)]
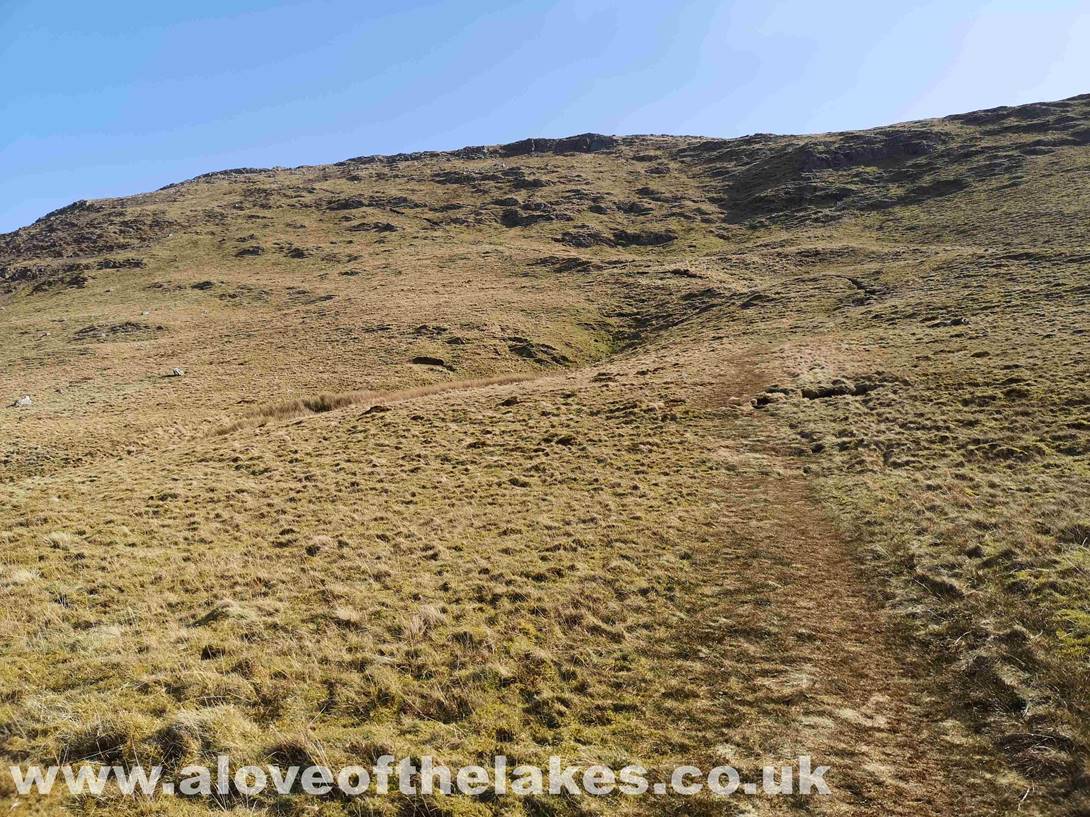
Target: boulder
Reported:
[(425, 360)]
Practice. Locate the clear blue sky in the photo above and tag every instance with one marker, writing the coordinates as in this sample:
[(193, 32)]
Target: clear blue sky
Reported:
[(120, 96)]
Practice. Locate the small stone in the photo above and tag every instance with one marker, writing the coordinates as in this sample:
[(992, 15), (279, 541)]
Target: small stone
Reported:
[(23, 402), (176, 372)]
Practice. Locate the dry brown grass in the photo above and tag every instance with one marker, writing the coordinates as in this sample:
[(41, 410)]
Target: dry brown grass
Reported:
[(811, 477), (291, 409)]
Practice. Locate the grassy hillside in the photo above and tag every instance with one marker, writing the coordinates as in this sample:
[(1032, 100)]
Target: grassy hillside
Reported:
[(645, 449)]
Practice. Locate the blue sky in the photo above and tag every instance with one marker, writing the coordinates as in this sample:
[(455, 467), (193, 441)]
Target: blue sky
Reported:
[(117, 97)]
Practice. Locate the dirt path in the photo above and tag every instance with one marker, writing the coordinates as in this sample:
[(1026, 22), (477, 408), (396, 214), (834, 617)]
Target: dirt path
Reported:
[(796, 657), (808, 665)]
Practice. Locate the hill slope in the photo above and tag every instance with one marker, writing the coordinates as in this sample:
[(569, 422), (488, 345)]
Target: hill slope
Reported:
[(661, 449)]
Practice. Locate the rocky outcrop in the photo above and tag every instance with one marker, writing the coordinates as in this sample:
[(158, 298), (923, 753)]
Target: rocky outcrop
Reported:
[(583, 143)]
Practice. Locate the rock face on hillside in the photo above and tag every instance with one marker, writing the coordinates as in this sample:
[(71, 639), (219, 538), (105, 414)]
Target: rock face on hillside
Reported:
[(85, 229), (584, 143)]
